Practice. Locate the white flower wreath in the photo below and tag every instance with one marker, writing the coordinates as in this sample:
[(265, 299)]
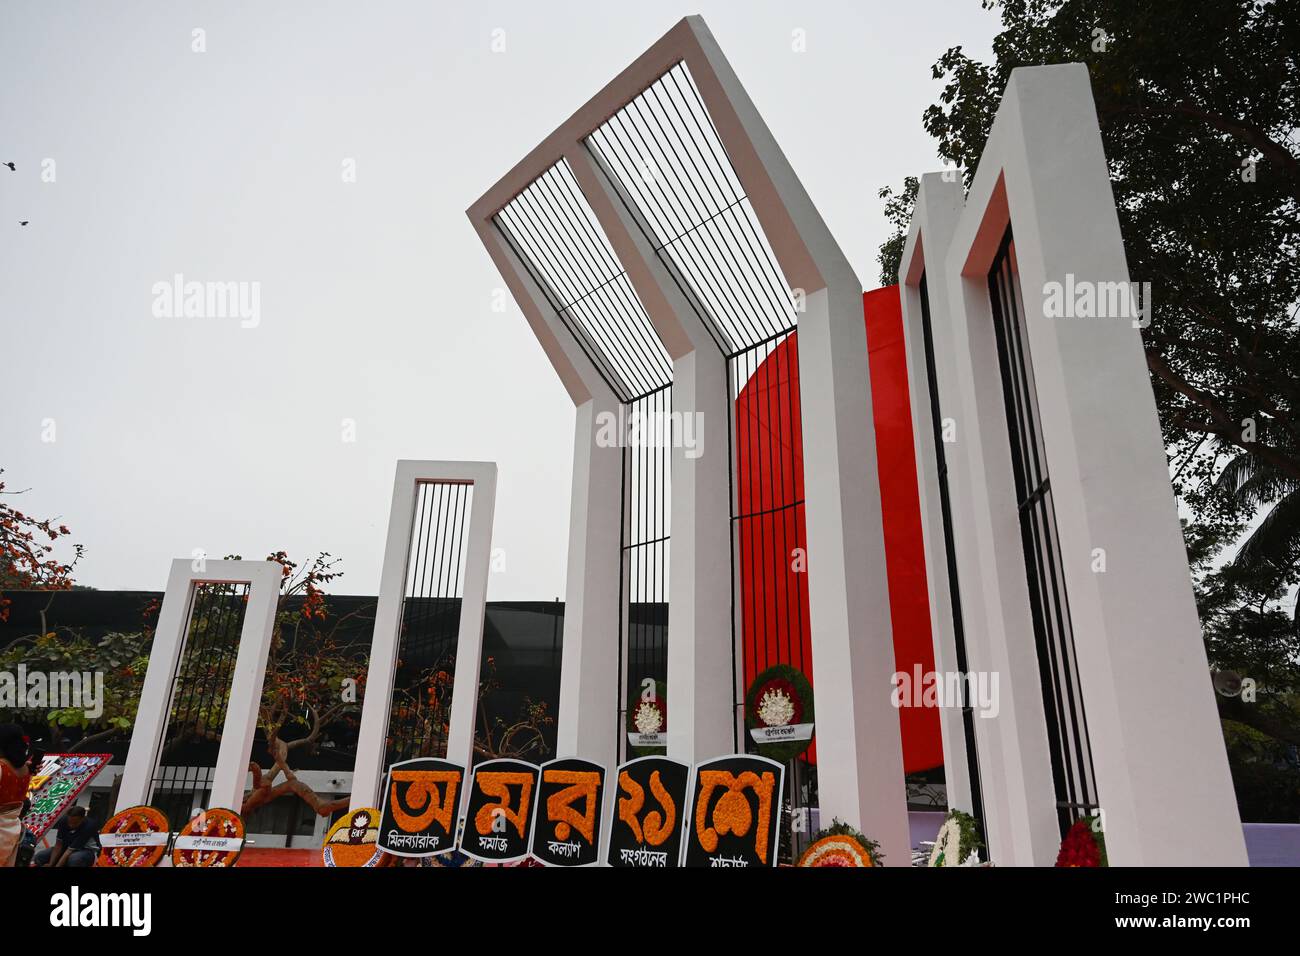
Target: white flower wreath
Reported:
[(948, 849)]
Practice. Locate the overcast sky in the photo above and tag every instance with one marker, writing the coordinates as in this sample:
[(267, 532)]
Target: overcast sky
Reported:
[(153, 436)]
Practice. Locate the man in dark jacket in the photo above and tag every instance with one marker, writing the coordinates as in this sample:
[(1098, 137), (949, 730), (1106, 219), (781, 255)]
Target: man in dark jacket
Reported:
[(77, 843)]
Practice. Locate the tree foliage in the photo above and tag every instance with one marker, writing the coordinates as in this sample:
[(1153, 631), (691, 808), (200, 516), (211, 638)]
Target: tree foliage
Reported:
[(1199, 106), (311, 697), (1198, 103), (28, 552)]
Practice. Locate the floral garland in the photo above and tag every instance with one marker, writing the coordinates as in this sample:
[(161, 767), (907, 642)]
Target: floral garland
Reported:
[(1084, 844), (134, 820), (780, 697), (649, 716), (224, 824), (354, 840), (958, 842), (841, 845)]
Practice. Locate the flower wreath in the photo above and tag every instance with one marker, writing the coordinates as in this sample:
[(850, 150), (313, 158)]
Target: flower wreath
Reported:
[(354, 840), (217, 822), (135, 820), (1084, 844), (841, 845), (958, 842), (778, 697), (649, 717)]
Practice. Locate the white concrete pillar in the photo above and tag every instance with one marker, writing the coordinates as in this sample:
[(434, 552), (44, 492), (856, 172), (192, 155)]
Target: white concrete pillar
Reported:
[(588, 724), (248, 675), (376, 706), (859, 745), (1157, 748), (938, 204), (1157, 743)]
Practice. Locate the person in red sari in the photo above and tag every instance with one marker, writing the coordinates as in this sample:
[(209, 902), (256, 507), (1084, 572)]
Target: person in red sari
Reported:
[(16, 760)]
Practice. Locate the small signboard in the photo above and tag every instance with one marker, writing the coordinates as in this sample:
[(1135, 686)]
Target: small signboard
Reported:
[(566, 831), (735, 812), (421, 803), (498, 817), (649, 813)]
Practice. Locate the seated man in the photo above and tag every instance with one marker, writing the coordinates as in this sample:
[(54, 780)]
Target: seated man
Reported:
[(77, 843)]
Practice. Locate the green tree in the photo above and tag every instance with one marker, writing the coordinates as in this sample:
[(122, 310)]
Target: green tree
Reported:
[(28, 553), (1199, 106), (1198, 102), (315, 682)]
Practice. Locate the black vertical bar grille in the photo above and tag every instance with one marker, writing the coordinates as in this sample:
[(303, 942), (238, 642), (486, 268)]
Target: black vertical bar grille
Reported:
[(664, 158), (430, 621), (950, 559), (555, 234), (769, 548), (646, 535), (183, 768), (1067, 726), (554, 231)]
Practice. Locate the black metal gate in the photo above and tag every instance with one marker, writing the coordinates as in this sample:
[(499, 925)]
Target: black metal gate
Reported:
[(187, 756), (1067, 726)]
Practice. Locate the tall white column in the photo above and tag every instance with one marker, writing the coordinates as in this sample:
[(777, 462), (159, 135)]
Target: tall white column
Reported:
[(1157, 744), (588, 724), (247, 678), (938, 204), (463, 719), (859, 745)]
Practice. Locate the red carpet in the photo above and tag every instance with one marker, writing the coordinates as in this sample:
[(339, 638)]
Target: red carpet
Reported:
[(255, 856)]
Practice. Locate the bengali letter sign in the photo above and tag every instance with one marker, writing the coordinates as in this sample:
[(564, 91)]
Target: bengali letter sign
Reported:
[(421, 802), (568, 812), (649, 813), (498, 817), (735, 812)]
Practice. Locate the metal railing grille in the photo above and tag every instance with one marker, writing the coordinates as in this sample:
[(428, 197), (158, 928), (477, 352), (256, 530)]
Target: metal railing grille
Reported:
[(434, 582), (1067, 725), (645, 545), (663, 154), (182, 778), (769, 541), (555, 233)]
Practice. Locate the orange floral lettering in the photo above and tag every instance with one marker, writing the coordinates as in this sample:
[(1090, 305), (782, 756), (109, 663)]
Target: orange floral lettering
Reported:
[(732, 813)]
